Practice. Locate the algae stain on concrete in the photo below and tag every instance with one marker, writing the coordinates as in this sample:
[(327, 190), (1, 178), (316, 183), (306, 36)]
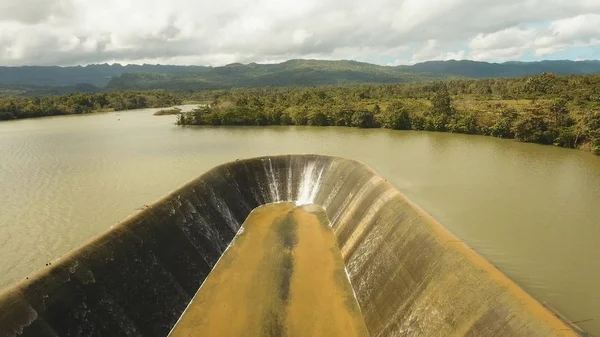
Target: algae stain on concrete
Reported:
[(282, 276)]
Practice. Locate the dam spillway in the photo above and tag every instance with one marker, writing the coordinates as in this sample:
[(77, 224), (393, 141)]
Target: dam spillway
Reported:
[(411, 277), (290, 280)]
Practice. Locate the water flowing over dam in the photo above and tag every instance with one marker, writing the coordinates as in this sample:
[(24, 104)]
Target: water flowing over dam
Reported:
[(410, 276)]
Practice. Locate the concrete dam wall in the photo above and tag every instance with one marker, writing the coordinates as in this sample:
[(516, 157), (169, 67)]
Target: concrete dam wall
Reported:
[(411, 277)]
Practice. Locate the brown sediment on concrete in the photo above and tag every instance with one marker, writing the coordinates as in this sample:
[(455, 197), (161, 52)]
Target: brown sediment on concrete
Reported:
[(411, 277), (283, 275)]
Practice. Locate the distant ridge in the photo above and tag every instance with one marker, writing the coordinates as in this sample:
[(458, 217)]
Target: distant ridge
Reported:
[(474, 69), (94, 74), (96, 77)]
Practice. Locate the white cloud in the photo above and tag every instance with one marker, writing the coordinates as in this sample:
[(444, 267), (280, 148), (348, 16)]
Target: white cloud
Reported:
[(429, 49), (458, 55), (219, 32), (507, 38), (579, 31), (558, 36), (507, 44), (34, 11)]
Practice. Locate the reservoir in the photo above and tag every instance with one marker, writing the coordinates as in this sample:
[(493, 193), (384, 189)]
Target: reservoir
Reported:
[(531, 210)]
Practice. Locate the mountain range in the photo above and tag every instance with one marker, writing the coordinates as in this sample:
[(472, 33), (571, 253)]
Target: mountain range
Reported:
[(99, 77)]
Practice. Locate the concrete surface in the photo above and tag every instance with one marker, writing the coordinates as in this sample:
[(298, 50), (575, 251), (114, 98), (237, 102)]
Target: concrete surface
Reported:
[(411, 276), (283, 275)]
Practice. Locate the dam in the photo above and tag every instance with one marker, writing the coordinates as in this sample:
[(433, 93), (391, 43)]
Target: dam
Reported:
[(290, 280), (144, 277)]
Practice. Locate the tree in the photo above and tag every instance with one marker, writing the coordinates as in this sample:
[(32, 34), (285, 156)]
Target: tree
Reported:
[(342, 115), (376, 109), (363, 119), (560, 112), (464, 123), (532, 127), (591, 122), (442, 111), (298, 115), (396, 117), (317, 118), (5, 116), (503, 127), (567, 137)]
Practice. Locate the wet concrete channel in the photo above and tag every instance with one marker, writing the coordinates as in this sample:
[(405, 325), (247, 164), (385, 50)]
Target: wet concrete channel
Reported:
[(282, 275)]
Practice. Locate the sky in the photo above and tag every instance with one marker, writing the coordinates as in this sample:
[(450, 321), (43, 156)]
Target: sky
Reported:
[(208, 32)]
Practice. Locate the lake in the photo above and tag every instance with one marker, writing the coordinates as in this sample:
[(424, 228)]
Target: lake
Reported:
[(532, 210)]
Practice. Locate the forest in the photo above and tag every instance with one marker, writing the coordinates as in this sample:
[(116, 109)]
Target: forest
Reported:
[(546, 109), (81, 103)]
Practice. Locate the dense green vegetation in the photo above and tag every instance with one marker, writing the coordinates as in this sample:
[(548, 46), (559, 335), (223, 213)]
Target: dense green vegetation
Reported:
[(165, 112), (35, 90), (40, 81), (473, 69), (97, 75), (290, 73), (545, 109), (28, 107), (311, 72)]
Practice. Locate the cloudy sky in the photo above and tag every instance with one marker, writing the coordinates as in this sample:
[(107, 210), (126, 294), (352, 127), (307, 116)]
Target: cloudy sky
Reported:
[(208, 32)]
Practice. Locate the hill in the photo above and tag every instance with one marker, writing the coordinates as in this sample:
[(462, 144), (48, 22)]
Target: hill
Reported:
[(289, 73), (20, 81), (96, 74), (313, 72), (473, 69)]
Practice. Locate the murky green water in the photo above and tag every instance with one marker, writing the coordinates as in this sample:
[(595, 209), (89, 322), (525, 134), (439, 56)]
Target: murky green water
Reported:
[(532, 210)]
